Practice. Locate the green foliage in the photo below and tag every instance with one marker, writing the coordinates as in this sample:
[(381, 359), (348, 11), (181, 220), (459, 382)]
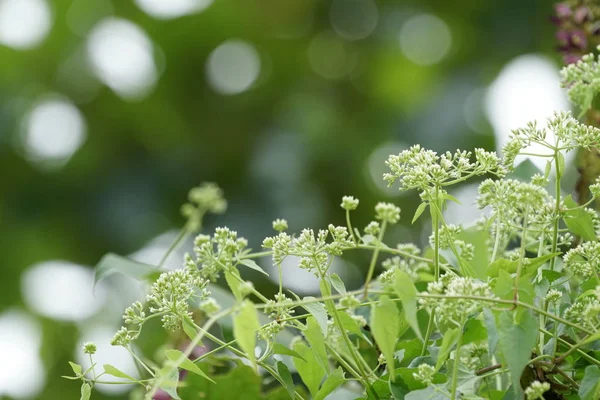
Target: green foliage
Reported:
[(505, 308)]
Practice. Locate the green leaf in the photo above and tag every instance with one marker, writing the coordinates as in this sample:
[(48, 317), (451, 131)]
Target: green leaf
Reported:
[(516, 340), (186, 364), (407, 293), (76, 368), (240, 383), (385, 324), (448, 196), (169, 381), (479, 239), (534, 263), (589, 389), (351, 325), (112, 263), (288, 382), (310, 370), (245, 325), (86, 392), (578, 221), (407, 375), (450, 339), (337, 283), (234, 283), (317, 341), (492, 331), (278, 348), (331, 383), (317, 310), (189, 328), (110, 370), (474, 332), (419, 211), (253, 265)]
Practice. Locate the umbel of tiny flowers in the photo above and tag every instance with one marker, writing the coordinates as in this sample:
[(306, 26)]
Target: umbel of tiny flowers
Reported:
[(536, 390), (207, 197), (89, 348), (424, 170)]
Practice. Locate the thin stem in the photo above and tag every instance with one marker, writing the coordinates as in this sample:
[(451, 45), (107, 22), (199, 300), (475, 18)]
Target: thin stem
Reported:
[(349, 225), (455, 369), (374, 258), (183, 234), (497, 240), (581, 353), (140, 362), (433, 209), (556, 210)]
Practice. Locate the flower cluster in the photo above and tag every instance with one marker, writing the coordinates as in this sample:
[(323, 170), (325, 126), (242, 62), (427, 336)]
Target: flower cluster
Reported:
[(568, 135), (407, 264), (313, 249), (171, 293), (207, 197), (584, 312), (349, 203), (279, 310), (424, 374), (217, 253), (583, 260), (456, 309), (417, 168), (536, 390), (448, 239)]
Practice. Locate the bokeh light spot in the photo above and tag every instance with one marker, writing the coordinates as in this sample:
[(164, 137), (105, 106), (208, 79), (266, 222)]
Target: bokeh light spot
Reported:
[(232, 67), (328, 57), (425, 39), (21, 370), (167, 9), (24, 23), (376, 167), (62, 291), (354, 19), (122, 57), (54, 130), (527, 89)]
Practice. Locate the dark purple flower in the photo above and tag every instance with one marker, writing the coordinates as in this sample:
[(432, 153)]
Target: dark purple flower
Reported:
[(579, 39), (581, 15), (563, 37), (562, 10), (571, 58)]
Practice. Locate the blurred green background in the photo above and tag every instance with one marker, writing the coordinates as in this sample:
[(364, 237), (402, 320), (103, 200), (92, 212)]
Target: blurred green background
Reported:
[(111, 110)]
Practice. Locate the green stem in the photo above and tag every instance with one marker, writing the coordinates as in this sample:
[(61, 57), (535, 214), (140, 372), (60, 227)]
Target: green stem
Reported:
[(374, 258), (349, 225), (455, 369), (556, 209), (433, 209), (181, 237)]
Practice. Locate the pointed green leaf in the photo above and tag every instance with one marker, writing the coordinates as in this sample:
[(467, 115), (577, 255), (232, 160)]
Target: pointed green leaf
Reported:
[(278, 348), (385, 324), (245, 325), (317, 310), (112, 263), (234, 283), (253, 265), (169, 381), (407, 293), (337, 283), (516, 340), (315, 338), (110, 370), (288, 382), (450, 339), (189, 328), (589, 389), (310, 370), (76, 368), (578, 221), (187, 364), (86, 391), (419, 211), (331, 383)]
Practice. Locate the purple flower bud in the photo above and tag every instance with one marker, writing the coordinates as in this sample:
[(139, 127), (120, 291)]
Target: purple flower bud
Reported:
[(161, 395), (562, 10), (579, 39), (563, 37), (571, 58), (581, 15)]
